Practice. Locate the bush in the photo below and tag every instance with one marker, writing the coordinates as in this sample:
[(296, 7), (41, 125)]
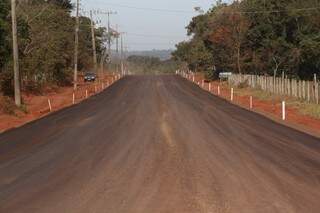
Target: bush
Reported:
[(7, 105), (243, 84), (33, 87), (63, 77), (6, 83)]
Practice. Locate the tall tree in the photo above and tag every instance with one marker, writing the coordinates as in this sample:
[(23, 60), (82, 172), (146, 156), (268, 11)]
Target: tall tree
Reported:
[(4, 31)]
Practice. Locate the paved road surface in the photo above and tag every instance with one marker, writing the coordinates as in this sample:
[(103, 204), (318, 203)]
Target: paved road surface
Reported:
[(158, 144)]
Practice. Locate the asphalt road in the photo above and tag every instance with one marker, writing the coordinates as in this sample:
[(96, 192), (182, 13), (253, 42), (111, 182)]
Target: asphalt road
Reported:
[(158, 144)]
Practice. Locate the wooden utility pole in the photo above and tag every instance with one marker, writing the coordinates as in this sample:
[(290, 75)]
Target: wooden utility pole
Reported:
[(109, 36), (93, 43), (121, 56), (76, 46), (108, 13), (17, 92), (117, 49)]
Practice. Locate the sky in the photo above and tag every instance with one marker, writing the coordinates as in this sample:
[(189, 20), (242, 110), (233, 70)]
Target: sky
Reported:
[(148, 24)]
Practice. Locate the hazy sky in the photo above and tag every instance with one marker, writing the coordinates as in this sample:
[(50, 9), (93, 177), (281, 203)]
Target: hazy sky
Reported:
[(149, 24)]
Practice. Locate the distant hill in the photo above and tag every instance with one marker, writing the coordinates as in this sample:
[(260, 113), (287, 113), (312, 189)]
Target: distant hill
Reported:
[(162, 54)]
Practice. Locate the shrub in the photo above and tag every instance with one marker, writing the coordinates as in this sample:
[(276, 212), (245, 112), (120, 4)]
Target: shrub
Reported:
[(7, 105), (6, 83), (33, 87), (243, 84)]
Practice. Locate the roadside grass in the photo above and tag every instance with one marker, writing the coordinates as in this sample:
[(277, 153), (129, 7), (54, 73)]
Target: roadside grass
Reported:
[(305, 108), (7, 106), (302, 106)]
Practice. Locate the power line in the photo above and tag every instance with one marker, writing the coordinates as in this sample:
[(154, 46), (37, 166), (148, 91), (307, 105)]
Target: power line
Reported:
[(148, 9), (311, 9), (153, 36), (280, 11), (134, 43)]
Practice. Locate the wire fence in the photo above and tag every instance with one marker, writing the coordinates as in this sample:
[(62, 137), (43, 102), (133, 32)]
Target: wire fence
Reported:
[(304, 90)]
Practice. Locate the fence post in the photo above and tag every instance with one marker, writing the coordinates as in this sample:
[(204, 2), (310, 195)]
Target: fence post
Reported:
[(283, 110), (283, 85), (304, 89), (251, 102), (316, 89), (231, 94), (49, 103), (308, 91)]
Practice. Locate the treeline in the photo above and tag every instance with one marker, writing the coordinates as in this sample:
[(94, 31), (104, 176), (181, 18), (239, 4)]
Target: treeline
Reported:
[(151, 65), (257, 37), (46, 32)]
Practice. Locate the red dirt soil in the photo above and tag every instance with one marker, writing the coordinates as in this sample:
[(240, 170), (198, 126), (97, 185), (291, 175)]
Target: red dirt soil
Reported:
[(266, 107), (37, 105)]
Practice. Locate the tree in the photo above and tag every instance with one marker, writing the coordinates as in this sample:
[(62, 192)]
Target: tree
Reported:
[(256, 36), (4, 31)]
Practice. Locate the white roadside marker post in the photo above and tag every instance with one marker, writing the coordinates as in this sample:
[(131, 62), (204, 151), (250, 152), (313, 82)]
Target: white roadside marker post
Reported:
[(210, 87), (73, 98), (193, 79), (86, 93), (251, 102), (283, 110), (49, 103), (218, 90), (231, 98)]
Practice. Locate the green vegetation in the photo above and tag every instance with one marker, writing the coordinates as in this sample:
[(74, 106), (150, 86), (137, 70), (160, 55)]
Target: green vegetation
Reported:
[(46, 44), (150, 65), (255, 36)]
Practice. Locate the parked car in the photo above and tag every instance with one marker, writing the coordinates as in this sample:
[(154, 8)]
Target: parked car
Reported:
[(90, 77), (224, 76)]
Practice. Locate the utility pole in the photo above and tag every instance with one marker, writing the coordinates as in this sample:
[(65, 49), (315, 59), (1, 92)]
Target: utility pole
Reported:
[(102, 62), (75, 76), (117, 49), (108, 13), (121, 53), (109, 35), (93, 43), (17, 92)]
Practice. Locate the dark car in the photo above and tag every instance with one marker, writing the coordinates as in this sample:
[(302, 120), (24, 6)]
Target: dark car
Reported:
[(89, 77)]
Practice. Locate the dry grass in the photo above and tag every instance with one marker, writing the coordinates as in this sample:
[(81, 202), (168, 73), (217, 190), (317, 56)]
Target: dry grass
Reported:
[(303, 107), (310, 109), (7, 105)]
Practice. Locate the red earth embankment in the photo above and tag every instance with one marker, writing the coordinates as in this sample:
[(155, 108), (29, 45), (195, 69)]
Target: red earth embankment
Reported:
[(37, 106), (271, 108)]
